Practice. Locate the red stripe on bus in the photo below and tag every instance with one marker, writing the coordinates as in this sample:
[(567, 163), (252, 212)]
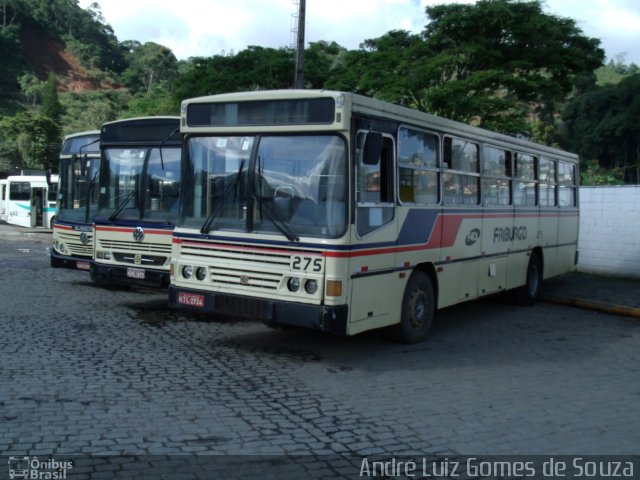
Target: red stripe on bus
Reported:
[(62, 227)]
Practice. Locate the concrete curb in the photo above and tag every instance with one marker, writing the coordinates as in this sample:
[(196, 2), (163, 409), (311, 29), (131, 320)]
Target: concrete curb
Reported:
[(591, 305)]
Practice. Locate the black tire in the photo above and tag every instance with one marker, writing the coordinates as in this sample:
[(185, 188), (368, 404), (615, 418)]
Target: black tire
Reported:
[(528, 294), (418, 310)]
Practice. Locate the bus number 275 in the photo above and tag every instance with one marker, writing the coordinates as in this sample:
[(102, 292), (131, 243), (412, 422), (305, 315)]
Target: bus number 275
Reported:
[(306, 264)]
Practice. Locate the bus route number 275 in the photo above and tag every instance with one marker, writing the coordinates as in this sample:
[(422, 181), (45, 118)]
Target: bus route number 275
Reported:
[(306, 264)]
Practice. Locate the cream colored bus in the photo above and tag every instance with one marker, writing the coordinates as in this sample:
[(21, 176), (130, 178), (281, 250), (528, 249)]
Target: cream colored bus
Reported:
[(342, 213), (77, 201), (138, 201)]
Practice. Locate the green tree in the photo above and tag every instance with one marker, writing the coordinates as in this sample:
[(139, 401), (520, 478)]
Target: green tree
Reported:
[(604, 124), (53, 110), (255, 68), (320, 60), (89, 110), (26, 138), (493, 63), (31, 88), (150, 65)]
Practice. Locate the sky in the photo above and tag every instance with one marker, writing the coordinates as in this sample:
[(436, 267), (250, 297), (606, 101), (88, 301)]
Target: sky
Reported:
[(205, 28)]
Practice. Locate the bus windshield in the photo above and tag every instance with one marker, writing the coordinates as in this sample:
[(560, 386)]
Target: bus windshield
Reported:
[(141, 184), (77, 198), (294, 185)]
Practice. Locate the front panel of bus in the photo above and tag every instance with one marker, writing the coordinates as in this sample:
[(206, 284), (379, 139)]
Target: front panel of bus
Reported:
[(138, 203), (77, 202)]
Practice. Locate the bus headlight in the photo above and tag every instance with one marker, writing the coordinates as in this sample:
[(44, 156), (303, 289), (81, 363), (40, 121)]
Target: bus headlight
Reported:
[(293, 284), (311, 287), (201, 273), (187, 271)]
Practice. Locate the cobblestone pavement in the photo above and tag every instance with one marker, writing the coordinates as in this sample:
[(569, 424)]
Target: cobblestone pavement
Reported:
[(93, 371)]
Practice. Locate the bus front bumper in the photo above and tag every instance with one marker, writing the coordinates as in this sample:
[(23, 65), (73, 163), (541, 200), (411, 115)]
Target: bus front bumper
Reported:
[(272, 312), (114, 274), (75, 263)]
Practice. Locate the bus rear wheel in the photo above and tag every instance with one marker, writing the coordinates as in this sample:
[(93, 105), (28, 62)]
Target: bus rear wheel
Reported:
[(528, 294), (418, 310)]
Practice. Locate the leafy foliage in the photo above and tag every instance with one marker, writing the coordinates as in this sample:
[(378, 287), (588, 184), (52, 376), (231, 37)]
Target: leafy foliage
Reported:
[(501, 64), (255, 68), (604, 124), (150, 65)]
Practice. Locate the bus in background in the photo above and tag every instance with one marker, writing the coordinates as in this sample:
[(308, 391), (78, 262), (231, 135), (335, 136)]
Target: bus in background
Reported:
[(3, 190), (30, 200), (77, 201), (138, 201), (342, 213)]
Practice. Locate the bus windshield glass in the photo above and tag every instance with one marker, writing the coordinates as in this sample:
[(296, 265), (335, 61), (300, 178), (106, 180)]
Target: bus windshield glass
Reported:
[(77, 198), (291, 185), (141, 184)]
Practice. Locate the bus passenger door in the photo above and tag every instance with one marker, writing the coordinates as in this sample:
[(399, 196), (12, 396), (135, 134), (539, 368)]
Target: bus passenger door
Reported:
[(376, 291), (37, 207)]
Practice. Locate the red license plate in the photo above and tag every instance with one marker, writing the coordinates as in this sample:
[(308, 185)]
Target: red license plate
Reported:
[(135, 273), (191, 299), (83, 265)]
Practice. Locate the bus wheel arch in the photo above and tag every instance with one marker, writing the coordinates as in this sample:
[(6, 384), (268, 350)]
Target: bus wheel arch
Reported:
[(528, 293), (418, 308)]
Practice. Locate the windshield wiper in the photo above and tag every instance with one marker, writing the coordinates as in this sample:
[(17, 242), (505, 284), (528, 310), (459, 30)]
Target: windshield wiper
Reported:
[(162, 144), (206, 226), (272, 215), (276, 219), (123, 204)]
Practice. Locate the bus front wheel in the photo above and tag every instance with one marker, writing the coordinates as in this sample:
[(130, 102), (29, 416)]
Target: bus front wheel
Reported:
[(530, 291), (418, 310)]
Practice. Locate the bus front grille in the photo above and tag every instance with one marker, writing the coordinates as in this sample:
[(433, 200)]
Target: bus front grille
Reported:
[(135, 247), (242, 267), (74, 246), (142, 260)]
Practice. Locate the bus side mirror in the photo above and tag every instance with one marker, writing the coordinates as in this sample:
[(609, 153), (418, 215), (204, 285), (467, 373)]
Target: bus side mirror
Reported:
[(372, 148)]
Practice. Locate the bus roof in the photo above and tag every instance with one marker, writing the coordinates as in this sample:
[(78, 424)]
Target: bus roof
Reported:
[(350, 102), (81, 142), (141, 131)]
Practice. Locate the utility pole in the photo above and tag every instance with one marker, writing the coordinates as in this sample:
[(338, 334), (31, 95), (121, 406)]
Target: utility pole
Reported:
[(298, 78)]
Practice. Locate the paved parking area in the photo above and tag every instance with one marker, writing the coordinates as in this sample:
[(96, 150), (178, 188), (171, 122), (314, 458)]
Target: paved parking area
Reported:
[(88, 370)]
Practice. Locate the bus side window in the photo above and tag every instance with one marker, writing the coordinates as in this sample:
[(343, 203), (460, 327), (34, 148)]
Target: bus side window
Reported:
[(375, 191)]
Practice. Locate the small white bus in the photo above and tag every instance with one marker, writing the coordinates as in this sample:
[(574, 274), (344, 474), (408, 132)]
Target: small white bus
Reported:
[(30, 201)]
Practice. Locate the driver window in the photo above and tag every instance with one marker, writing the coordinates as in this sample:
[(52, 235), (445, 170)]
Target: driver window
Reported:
[(375, 183)]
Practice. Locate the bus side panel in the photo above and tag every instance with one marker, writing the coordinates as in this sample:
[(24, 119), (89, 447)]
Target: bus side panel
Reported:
[(549, 241), (19, 213), (371, 272), (373, 310), (492, 268), (567, 240), (458, 278), (522, 238)]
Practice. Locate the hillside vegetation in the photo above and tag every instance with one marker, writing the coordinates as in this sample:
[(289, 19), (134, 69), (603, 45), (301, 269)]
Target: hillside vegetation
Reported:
[(500, 64)]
